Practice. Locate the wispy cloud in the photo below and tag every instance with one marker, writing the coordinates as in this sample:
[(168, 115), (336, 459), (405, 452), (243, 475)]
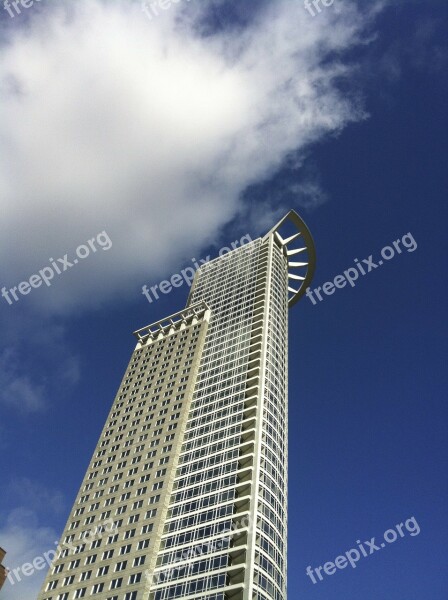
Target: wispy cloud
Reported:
[(23, 534), (17, 389), (25, 540), (25, 492), (30, 373)]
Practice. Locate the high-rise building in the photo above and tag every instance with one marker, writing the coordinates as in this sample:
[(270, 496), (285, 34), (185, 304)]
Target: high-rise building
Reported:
[(186, 493), (2, 568)]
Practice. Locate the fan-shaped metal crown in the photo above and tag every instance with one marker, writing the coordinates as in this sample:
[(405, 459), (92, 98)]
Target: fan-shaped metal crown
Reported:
[(300, 273)]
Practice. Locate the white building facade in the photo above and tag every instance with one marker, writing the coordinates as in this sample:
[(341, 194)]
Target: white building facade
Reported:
[(186, 493)]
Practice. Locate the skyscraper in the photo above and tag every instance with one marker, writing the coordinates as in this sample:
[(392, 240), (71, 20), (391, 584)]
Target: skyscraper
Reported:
[(186, 493)]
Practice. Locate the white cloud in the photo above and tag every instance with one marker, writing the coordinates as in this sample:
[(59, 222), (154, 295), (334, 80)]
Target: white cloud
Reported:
[(152, 131)]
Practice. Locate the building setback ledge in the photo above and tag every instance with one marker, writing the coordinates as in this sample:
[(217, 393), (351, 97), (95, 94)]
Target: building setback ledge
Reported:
[(193, 313)]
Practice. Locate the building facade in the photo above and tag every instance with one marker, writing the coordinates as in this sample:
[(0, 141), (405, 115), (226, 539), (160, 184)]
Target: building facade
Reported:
[(186, 493), (2, 568)]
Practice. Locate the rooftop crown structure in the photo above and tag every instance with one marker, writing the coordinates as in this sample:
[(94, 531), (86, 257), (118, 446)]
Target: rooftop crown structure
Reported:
[(186, 493)]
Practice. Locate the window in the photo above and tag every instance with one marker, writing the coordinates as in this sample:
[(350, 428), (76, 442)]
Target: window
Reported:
[(97, 588), (139, 561), (121, 566), (125, 549), (102, 571), (116, 583), (130, 533), (80, 593), (52, 585), (135, 578)]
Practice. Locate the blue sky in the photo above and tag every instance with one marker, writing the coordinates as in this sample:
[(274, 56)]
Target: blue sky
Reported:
[(177, 136)]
